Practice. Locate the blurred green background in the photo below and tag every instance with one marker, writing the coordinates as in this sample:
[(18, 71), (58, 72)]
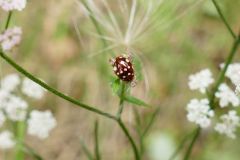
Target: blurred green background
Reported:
[(175, 48)]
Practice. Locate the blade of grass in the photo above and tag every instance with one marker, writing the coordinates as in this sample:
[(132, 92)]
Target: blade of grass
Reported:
[(181, 145), (224, 19), (97, 153), (86, 151), (31, 152)]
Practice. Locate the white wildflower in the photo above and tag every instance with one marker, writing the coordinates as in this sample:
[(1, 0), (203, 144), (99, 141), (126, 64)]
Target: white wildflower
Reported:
[(201, 80), (237, 90), (16, 108), (2, 118), (199, 112), (226, 96), (233, 73), (41, 123), (10, 38), (32, 89), (10, 82), (6, 140), (9, 5), (229, 124), (3, 98)]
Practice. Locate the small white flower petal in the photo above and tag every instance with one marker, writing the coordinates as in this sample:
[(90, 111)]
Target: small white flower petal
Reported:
[(229, 124), (199, 112), (201, 80), (32, 89), (10, 38), (6, 140), (227, 96), (9, 5), (41, 123), (10, 82)]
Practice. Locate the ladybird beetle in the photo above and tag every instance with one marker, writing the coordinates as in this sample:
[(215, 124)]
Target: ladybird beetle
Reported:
[(123, 68)]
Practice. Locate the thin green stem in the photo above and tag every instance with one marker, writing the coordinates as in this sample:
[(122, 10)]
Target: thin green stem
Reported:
[(20, 135), (125, 130), (150, 123), (121, 103), (31, 152), (86, 151), (180, 147), (97, 153), (189, 150), (142, 134), (52, 90), (8, 19), (224, 70), (224, 19), (121, 124)]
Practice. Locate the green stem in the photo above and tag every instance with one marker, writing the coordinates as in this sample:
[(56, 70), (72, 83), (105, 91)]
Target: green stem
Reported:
[(189, 150), (224, 70), (20, 135), (152, 120), (121, 124), (8, 19), (121, 103), (86, 151), (126, 132), (182, 143), (52, 90), (31, 152), (224, 19), (97, 153), (146, 130)]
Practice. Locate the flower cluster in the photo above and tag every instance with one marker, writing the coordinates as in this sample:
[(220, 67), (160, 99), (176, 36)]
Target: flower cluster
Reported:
[(229, 124), (9, 5), (202, 113), (10, 38), (14, 108), (200, 81), (199, 112)]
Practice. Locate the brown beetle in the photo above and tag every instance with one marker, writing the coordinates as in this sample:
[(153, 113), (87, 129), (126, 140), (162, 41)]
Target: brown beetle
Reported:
[(123, 68)]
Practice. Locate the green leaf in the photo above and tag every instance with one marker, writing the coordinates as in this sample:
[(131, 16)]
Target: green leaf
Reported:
[(135, 101), (116, 86)]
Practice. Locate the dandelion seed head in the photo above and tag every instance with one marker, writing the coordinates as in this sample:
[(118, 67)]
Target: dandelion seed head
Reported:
[(125, 28), (41, 123), (6, 140)]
